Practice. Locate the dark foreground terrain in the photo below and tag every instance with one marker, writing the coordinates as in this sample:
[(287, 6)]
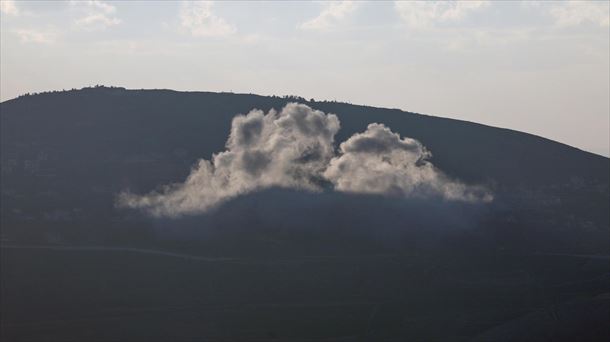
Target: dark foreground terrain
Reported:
[(78, 294), (286, 265)]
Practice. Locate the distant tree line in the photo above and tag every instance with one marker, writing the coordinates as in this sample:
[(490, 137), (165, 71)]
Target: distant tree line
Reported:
[(294, 98), (97, 86)]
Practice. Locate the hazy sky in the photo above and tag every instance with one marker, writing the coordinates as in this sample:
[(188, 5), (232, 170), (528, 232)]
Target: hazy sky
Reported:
[(539, 67)]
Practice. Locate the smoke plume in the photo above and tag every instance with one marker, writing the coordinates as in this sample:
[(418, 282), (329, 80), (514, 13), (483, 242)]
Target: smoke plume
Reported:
[(378, 161), (294, 148)]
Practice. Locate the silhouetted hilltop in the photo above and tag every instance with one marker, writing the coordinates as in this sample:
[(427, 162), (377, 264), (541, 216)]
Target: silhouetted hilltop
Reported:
[(198, 122), (65, 155), (283, 264)]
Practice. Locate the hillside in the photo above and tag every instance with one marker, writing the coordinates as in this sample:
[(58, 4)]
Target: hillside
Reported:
[(283, 264), (66, 155)]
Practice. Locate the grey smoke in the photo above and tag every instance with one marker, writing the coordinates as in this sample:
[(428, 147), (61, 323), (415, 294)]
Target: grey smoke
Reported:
[(294, 148), (378, 161), (287, 149)]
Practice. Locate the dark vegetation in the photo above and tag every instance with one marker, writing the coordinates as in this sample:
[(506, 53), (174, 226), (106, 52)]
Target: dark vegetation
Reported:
[(302, 266)]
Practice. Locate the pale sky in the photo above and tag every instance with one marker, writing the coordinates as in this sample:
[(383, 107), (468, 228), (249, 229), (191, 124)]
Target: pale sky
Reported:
[(539, 67)]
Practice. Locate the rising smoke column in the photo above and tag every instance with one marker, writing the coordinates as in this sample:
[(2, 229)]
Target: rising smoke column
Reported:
[(294, 148), (286, 149), (379, 161)]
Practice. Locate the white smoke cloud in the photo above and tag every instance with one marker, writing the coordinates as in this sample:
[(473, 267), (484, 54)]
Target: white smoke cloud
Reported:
[(286, 149), (378, 161), (294, 148)]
